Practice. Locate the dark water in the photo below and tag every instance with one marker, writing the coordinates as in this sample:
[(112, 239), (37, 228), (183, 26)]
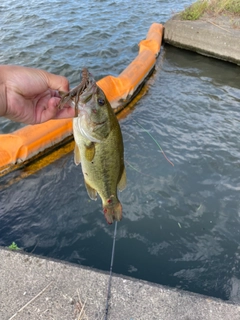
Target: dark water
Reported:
[(181, 224)]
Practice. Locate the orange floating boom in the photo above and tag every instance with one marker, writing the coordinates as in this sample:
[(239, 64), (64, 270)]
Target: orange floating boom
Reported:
[(27, 142)]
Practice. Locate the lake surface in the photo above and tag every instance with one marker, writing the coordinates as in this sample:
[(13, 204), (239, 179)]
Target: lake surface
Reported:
[(181, 223)]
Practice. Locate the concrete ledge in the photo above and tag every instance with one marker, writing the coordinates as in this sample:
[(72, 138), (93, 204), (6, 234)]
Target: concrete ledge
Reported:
[(24, 276), (210, 36)]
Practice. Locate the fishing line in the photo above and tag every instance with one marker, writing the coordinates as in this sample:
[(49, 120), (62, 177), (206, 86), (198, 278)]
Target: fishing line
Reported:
[(155, 142), (110, 273)]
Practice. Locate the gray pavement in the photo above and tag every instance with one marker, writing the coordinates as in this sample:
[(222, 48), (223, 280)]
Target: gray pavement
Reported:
[(33, 287), (217, 37)]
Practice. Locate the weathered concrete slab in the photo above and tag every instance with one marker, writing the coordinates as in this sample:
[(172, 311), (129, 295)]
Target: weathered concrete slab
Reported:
[(211, 36), (23, 277)]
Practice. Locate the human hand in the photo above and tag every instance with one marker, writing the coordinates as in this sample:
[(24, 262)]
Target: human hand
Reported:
[(31, 96)]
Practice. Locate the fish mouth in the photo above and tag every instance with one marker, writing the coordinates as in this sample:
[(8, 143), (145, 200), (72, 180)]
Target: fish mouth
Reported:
[(87, 87), (113, 212), (87, 95)]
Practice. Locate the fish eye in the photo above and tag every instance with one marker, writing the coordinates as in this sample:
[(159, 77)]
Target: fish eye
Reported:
[(101, 102)]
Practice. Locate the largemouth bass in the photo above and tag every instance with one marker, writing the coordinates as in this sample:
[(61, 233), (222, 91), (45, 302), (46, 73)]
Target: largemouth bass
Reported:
[(98, 145)]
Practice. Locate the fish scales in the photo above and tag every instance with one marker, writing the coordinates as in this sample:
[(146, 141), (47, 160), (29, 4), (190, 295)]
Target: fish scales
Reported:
[(98, 145)]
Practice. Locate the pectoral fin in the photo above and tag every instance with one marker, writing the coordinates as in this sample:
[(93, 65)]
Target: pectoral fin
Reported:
[(77, 157), (91, 192), (123, 181), (90, 151)]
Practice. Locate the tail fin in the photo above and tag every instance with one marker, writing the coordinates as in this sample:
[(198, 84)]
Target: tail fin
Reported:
[(112, 211)]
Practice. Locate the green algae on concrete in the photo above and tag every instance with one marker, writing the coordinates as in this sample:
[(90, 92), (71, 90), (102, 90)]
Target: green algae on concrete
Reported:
[(195, 11), (213, 7)]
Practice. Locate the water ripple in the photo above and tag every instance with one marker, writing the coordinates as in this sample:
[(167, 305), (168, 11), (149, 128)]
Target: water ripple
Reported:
[(181, 222)]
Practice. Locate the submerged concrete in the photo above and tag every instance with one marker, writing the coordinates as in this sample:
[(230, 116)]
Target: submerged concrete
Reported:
[(217, 37), (40, 288)]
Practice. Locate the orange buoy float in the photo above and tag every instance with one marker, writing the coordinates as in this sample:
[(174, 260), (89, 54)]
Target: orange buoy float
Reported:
[(27, 142)]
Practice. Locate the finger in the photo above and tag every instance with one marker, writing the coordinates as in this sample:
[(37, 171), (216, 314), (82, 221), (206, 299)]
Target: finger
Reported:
[(66, 112), (49, 112), (54, 93), (56, 82)]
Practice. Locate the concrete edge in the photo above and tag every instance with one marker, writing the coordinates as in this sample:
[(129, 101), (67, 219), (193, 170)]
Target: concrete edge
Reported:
[(205, 37), (24, 276)]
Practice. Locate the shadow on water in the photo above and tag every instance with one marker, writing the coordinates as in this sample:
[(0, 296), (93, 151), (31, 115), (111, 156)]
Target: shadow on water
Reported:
[(220, 73), (181, 224)]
